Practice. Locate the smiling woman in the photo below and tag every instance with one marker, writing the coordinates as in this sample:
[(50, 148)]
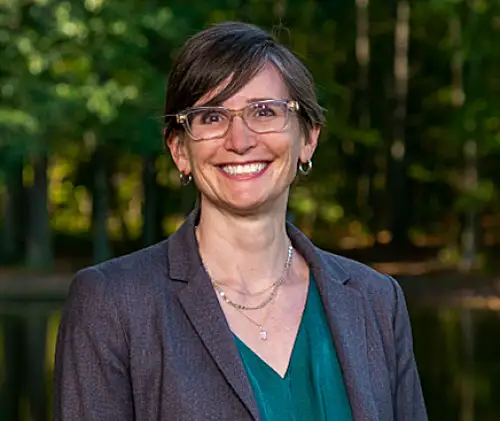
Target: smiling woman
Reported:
[(237, 316)]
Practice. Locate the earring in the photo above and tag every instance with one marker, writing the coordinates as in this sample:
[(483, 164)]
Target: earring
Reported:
[(305, 168), (185, 179)]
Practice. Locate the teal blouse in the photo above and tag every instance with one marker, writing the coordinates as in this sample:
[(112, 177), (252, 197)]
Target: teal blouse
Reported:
[(313, 387)]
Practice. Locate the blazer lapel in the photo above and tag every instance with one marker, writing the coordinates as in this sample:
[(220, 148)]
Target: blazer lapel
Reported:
[(346, 318), (345, 313), (203, 310)]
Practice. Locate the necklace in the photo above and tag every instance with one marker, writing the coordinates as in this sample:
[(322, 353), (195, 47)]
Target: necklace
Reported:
[(266, 301), (248, 294), (262, 329)]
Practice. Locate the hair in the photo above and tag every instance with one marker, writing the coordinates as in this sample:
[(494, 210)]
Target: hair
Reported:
[(237, 51)]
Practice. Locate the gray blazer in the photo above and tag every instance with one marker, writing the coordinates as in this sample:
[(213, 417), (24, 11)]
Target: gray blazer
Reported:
[(143, 338)]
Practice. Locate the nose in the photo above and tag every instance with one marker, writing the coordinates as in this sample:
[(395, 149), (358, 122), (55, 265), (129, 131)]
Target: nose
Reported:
[(239, 138)]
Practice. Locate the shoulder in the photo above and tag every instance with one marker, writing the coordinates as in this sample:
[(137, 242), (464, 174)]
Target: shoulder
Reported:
[(152, 259), (142, 265), (372, 285), (127, 280), (383, 297)]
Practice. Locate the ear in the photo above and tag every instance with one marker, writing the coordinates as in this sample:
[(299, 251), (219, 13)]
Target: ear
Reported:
[(310, 141), (179, 152)]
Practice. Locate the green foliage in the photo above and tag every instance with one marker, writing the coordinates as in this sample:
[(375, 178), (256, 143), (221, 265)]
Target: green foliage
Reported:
[(76, 76)]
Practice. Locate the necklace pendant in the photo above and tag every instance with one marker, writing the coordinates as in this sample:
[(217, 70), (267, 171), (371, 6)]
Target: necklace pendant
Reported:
[(263, 334)]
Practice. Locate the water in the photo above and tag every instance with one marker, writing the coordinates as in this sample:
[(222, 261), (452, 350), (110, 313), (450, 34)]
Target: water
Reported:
[(457, 352), (458, 355)]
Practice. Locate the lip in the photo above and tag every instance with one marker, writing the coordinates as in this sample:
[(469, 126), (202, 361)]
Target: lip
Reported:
[(244, 176), (253, 161)]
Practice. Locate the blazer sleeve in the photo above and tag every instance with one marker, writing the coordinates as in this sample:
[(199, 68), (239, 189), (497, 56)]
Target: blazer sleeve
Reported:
[(91, 374), (409, 401)]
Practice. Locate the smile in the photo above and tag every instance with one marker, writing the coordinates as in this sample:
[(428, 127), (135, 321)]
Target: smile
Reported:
[(244, 169)]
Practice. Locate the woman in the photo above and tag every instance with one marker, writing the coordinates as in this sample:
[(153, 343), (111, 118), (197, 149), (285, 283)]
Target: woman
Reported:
[(237, 316)]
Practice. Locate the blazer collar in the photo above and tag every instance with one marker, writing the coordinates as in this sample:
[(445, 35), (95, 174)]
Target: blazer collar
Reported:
[(184, 258), (344, 307)]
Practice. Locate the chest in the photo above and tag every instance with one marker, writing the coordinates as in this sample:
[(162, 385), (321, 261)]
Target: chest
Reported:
[(184, 360), (271, 332), (176, 374)]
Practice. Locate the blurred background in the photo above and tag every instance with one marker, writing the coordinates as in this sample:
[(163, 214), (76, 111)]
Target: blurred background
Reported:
[(405, 178)]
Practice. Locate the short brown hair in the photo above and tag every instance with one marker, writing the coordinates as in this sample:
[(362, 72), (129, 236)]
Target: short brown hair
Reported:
[(237, 50)]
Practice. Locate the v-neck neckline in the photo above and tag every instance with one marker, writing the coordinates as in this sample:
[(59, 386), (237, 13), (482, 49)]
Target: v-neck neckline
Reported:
[(295, 342)]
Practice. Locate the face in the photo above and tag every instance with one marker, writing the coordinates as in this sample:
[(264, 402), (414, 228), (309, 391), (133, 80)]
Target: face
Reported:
[(246, 172)]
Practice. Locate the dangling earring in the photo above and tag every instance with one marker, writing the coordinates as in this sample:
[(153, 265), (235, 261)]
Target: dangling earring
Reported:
[(305, 168), (185, 178)]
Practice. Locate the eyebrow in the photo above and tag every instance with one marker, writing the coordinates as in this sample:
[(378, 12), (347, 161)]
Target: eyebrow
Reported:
[(248, 101)]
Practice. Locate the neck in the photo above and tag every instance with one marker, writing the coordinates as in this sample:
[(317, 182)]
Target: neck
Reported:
[(247, 253)]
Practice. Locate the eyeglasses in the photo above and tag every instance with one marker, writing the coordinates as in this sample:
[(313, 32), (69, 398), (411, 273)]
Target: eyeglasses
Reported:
[(267, 116)]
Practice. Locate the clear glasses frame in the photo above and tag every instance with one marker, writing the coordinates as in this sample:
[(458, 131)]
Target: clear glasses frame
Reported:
[(290, 106)]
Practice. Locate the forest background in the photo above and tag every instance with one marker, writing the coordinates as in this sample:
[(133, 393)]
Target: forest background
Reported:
[(405, 177)]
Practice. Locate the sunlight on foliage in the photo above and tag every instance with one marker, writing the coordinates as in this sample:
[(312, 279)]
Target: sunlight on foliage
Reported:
[(72, 205), (18, 120), (28, 175), (67, 25), (331, 212), (93, 5), (159, 19), (130, 196), (172, 223), (50, 342), (302, 202)]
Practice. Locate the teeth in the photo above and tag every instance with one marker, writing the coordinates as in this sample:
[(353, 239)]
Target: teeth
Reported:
[(244, 169)]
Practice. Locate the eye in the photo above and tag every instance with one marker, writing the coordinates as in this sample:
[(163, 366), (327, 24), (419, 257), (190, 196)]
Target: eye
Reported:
[(211, 117), (264, 110)]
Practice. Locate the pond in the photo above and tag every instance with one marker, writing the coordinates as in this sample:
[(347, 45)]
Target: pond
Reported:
[(457, 351), (458, 355)]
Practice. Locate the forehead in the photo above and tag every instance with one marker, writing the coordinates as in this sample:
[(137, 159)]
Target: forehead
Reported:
[(268, 83)]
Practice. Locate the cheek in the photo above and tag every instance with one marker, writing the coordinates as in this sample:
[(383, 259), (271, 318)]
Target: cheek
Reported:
[(287, 147), (296, 138), (201, 153), (295, 146)]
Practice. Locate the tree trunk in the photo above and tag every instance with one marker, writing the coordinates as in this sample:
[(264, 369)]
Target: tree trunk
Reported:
[(189, 198), (365, 156), (280, 9), (471, 224), (397, 173), (39, 246), (11, 232), (471, 227), (100, 207), (149, 204)]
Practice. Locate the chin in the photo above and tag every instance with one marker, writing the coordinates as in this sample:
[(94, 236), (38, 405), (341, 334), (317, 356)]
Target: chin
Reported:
[(248, 202), (248, 205)]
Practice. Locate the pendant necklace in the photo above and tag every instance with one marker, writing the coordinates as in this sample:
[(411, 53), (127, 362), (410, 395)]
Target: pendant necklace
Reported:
[(274, 289), (262, 329)]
